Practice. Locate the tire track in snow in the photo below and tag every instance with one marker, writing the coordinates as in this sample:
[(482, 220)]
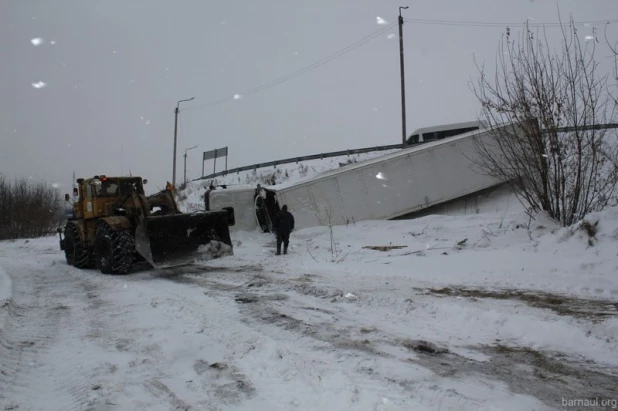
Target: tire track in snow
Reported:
[(145, 369), (29, 336), (92, 323), (546, 381), (255, 362), (316, 352), (43, 358), (330, 323)]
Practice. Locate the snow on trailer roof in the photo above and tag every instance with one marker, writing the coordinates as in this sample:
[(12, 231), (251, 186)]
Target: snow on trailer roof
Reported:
[(368, 163), (453, 126), (237, 187)]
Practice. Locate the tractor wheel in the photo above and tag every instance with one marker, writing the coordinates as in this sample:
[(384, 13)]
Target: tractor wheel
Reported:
[(76, 254), (114, 250)]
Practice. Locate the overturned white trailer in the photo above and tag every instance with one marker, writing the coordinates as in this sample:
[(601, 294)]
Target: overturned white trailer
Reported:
[(385, 187)]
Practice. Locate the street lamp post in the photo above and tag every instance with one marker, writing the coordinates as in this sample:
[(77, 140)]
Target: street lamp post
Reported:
[(176, 137), (403, 84), (185, 176)]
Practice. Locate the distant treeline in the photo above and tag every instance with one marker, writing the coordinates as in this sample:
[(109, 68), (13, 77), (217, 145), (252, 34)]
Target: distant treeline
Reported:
[(28, 209)]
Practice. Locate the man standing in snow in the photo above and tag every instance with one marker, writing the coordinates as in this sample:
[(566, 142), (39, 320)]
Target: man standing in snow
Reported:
[(284, 224), (207, 197)]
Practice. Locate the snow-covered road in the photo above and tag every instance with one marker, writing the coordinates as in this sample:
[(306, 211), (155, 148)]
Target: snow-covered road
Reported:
[(303, 332)]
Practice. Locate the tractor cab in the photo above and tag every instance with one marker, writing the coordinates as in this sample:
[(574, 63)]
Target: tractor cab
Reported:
[(116, 187)]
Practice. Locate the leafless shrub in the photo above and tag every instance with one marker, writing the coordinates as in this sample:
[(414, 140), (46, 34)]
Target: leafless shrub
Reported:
[(28, 209), (303, 170), (325, 211), (348, 161), (613, 46), (557, 159), (590, 229)]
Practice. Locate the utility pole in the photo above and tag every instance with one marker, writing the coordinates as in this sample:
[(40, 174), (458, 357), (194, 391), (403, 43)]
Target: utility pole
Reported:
[(176, 137), (403, 84), (185, 176)]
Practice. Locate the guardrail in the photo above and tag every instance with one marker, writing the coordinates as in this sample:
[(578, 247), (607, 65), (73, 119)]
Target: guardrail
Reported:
[(305, 158), (368, 150)]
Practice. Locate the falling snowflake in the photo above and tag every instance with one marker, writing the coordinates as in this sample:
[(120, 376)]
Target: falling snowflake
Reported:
[(237, 96), (36, 41), (381, 176), (589, 38), (390, 36), (55, 185), (380, 20), (39, 84), (52, 42)]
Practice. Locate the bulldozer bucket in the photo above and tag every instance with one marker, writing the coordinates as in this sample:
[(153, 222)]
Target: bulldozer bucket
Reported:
[(180, 239)]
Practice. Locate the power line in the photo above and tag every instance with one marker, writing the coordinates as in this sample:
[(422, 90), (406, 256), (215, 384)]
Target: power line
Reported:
[(297, 73), (375, 34), (498, 24)]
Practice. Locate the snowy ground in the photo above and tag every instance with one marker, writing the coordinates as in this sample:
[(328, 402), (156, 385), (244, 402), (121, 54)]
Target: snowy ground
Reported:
[(509, 319)]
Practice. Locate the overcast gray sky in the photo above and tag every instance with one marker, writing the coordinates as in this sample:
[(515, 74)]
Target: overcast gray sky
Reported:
[(114, 70)]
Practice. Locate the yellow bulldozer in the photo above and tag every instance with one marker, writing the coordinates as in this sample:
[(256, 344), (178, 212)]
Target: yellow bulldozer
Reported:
[(114, 225)]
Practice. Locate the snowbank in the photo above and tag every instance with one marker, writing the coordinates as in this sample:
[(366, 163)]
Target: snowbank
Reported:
[(493, 249), (6, 286), (479, 266), (6, 291)]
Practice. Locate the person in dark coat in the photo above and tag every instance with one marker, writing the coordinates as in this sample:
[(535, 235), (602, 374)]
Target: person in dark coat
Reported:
[(284, 224), (207, 197)]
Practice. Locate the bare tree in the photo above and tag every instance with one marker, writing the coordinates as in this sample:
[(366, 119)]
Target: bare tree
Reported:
[(613, 47), (557, 158), (28, 209)]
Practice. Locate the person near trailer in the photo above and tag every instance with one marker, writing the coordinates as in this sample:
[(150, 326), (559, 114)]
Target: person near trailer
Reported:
[(207, 197), (261, 212), (284, 224)]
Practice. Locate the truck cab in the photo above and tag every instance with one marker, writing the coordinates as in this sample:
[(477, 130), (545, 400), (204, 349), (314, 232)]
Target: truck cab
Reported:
[(249, 207)]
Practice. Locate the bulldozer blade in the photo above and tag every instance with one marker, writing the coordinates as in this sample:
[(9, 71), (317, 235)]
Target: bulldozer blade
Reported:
[(180, 239)]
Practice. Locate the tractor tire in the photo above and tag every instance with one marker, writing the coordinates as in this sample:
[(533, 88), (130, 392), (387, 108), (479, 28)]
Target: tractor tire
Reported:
[(76, 254), (114, 250)]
